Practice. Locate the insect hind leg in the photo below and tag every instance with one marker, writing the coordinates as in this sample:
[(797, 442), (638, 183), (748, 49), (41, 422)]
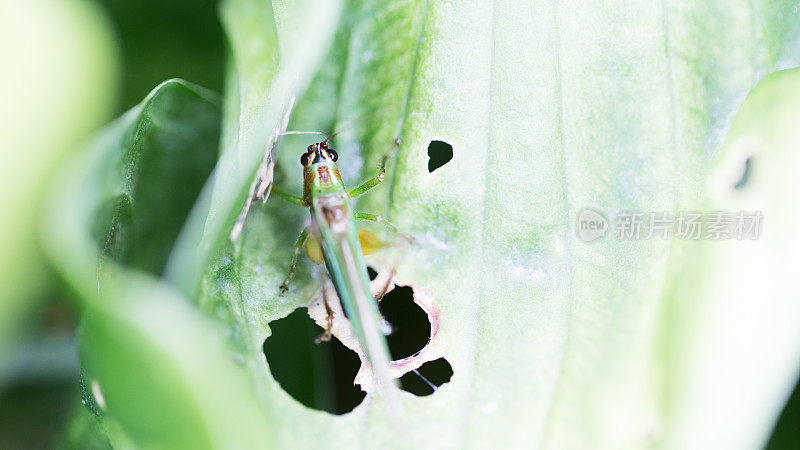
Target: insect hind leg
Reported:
[(379, 219), (326, 335)]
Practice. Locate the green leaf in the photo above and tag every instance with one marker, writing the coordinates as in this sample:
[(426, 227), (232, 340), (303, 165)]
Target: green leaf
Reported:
[(154, 171), (156, 369), (555, 342), (58, 80), (746, 329)]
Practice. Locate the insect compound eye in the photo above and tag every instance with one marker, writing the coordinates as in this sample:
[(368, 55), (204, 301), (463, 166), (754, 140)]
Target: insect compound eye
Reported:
[(334, 156), (304, 159)]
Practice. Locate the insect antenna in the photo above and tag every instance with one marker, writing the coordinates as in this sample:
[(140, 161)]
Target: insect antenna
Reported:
[(333, 135), (301, 132), (343, 124), (327, 138)]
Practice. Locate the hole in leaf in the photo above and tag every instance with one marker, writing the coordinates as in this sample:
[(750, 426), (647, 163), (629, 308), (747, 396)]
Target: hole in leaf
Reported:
[(372, 273), (319, 376), (440, 153), (411, 329), (437, 372), (745, 174)]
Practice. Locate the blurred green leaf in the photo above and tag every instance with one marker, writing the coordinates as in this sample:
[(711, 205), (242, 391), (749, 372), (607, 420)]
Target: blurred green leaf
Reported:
[(152, 172), (165, 376), (732, 315), (57, 84), (159, 40), (155, 367), (84, 431)]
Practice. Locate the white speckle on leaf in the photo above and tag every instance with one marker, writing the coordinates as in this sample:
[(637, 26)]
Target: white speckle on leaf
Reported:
[(519, 271), (558, 245), (489, 408), (526, 273), (437, 243), (366, 56)]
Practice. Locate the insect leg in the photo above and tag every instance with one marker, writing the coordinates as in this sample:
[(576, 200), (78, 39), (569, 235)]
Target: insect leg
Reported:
[(326, 335), (295, 253), (364, 187), (377, 218), (289, 197)]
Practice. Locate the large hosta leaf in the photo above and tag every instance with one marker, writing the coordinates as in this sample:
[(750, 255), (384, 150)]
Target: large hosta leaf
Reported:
[(550, 108)]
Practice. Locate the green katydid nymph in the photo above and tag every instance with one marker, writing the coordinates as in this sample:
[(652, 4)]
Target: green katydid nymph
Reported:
[(333, 237)]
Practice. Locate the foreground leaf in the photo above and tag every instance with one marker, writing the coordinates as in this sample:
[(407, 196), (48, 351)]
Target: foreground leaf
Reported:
[(746, 331), (43, 116), (156, 369)]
